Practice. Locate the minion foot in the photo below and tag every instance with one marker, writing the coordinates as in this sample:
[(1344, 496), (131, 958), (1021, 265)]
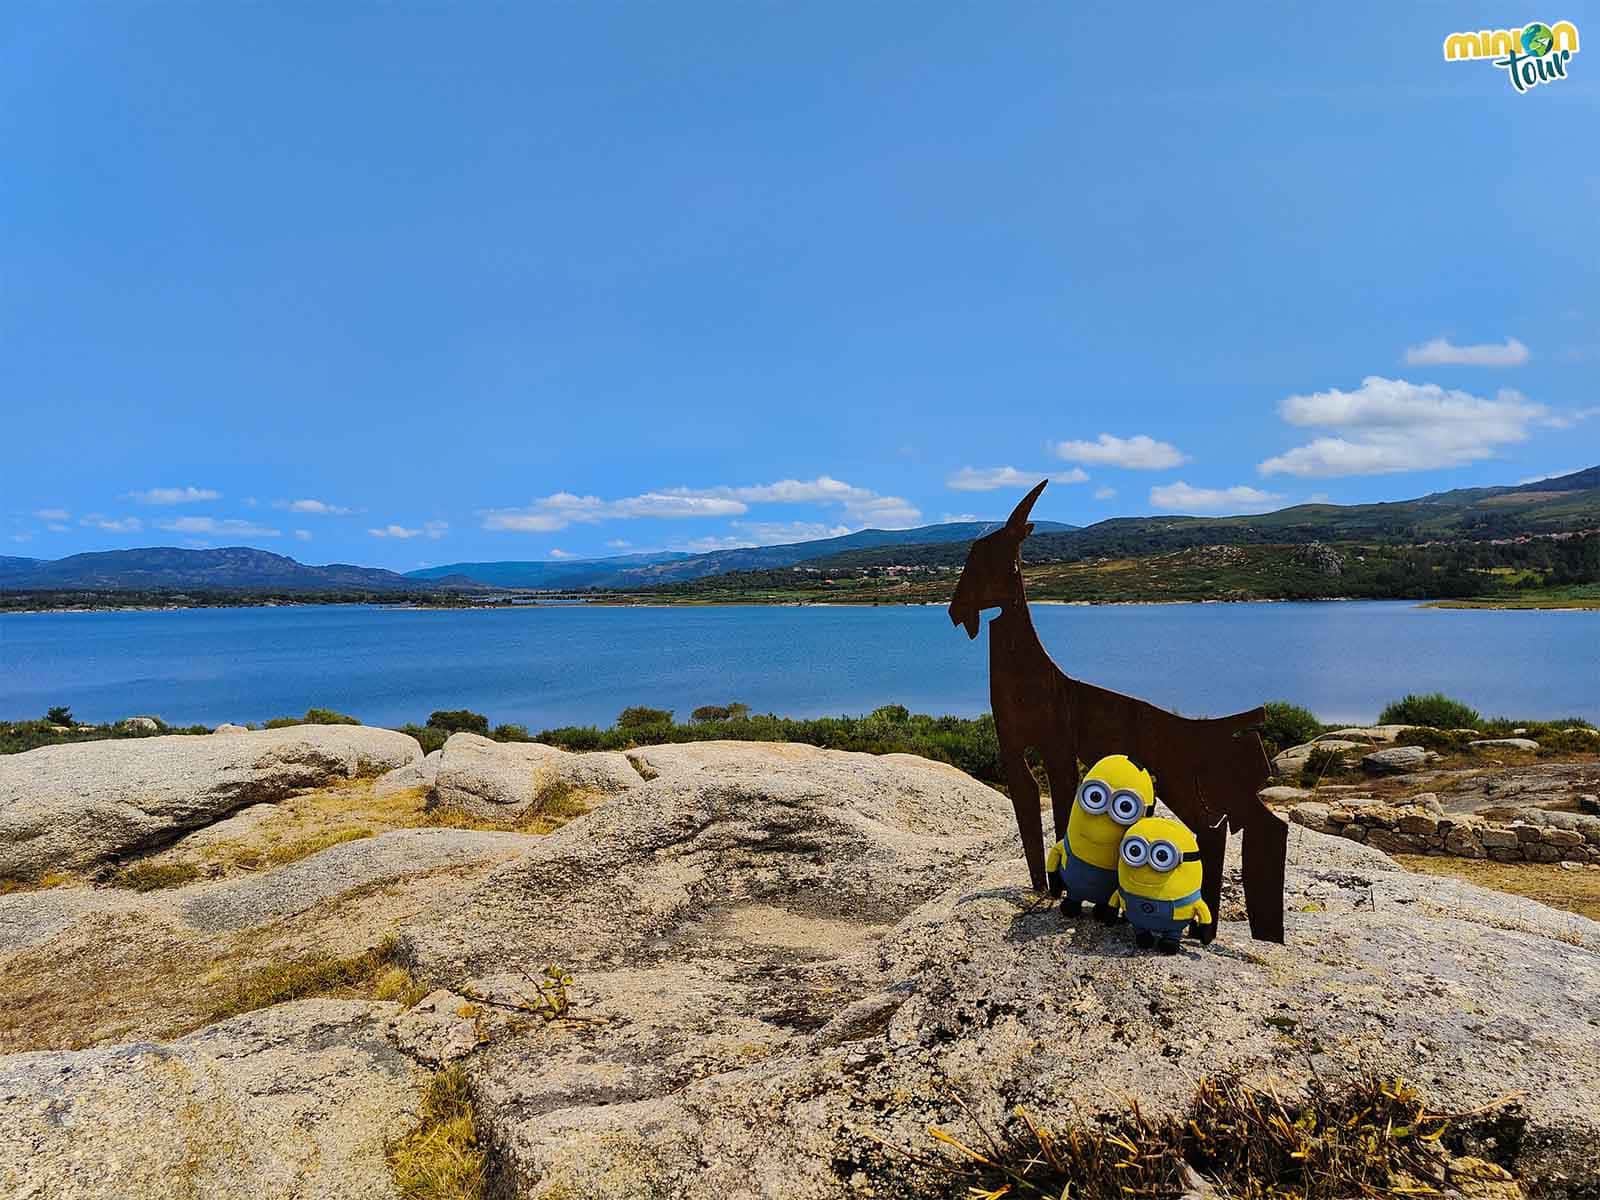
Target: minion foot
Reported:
[(1144, 939), (1167, 946), (1070, 908), (1105, 914)]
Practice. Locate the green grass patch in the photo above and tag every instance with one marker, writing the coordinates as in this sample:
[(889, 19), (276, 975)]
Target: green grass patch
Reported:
[(1433, 709)]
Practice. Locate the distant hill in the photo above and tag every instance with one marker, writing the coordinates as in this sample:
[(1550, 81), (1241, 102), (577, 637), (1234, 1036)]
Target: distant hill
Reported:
[(647, 570), (1567, 503), (166, 568)]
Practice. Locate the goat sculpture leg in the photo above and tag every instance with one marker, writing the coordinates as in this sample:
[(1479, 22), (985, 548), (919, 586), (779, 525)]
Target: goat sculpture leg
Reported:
[(1061, 765), (1266, 847), (1213, 843), (1024, 790)]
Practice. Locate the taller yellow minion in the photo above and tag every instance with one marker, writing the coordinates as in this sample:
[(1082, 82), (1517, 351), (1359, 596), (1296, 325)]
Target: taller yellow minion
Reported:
[(1115, 793), (1158, 882)]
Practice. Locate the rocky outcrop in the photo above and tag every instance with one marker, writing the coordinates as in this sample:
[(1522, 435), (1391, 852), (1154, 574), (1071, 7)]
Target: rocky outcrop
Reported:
[(1507, 743), (503, 779), (1420, 826), (78, 805), (785, 963), (1290, 761), (420, 774), (298, 1100)]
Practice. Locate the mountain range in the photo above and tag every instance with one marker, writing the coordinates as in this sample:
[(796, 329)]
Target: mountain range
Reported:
[(1562, 504), (645, 570)]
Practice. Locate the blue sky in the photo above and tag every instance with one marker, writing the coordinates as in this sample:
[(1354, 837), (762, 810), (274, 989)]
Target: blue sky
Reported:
[(404, 284)]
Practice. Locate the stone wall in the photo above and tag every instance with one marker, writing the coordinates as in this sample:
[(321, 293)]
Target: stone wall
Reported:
[(1420, 826)]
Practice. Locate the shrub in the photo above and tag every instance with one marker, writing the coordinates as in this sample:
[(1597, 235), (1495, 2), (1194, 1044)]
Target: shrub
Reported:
[(429, 737), (60, 715), (640, 717), (1288, 725), (1444, 741), (459, 720), (1435, 710), (1323, 764), (710, 712), (510, 733)]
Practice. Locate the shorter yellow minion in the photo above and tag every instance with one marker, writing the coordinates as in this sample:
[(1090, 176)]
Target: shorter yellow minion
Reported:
[(1158, 882)]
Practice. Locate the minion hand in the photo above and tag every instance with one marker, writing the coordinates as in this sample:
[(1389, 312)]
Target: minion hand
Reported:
[(1117, 901)]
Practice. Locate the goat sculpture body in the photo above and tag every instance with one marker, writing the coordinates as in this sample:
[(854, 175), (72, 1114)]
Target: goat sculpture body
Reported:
[(1207, 771)]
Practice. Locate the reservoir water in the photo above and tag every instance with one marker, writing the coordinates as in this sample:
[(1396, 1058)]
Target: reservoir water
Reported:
[(546, 666)]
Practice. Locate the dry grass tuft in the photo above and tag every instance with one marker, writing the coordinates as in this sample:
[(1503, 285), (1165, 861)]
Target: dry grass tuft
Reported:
[(1548, 883), (288, 852), (322, 975), (441, 1158), (154, 876), (555, 804), (16, 883), (1375, 1140)]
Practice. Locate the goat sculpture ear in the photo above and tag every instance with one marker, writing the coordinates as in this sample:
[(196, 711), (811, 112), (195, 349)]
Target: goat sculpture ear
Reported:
[(1018, 520)]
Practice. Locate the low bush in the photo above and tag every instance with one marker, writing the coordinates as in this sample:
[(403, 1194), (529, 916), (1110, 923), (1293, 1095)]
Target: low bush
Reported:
[(430, 737), (1434, 709), (314, 716), (1288, 725), (1444, 741), (1323, 764)]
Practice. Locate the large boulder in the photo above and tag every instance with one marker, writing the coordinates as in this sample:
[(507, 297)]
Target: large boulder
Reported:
[(1290, 761), (77, 806), (1397, 760), (503, 779), (420, 774), (298, 1100)]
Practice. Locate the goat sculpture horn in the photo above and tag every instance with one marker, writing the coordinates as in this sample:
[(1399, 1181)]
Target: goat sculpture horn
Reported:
[(1019, 515)]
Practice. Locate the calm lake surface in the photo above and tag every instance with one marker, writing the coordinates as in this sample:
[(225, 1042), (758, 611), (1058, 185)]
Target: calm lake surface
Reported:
[(550, 666)]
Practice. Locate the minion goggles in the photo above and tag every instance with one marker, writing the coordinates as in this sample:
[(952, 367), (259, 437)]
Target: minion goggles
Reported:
[(1124, 806), (1159, 855)]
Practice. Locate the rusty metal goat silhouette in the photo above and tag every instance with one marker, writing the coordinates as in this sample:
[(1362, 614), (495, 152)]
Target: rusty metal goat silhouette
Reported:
[(1206, 771)]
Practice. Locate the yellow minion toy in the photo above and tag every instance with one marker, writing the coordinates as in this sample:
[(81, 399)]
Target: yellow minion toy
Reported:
[(1158, 882), (1115, 793)]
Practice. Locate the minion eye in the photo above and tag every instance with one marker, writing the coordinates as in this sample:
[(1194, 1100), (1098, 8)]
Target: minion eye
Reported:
[(1135, 850), (1126, 807), (1163, 856), (1093, 796)]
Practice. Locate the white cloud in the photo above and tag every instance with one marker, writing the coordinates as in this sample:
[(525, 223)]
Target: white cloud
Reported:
[(1389, 425), (559, 553), (1138, 453), (974, 479), (226, 528), (1442, 353), (777, 533), (110, 524), (960, 518), (1567, 420), (556, 512), (303, 534), (174, 495), (619, 543), (251, 502), (22, 537), (429, 529), (59, 528), (1105, 493), (315, 508), (53, 514), (1181, 497)]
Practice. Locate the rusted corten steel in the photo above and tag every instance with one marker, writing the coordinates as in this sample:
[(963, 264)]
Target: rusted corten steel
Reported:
[(1206, 771)]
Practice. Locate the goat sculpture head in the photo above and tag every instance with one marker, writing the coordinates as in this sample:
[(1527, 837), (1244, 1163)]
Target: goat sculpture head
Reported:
[(992, 577)]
